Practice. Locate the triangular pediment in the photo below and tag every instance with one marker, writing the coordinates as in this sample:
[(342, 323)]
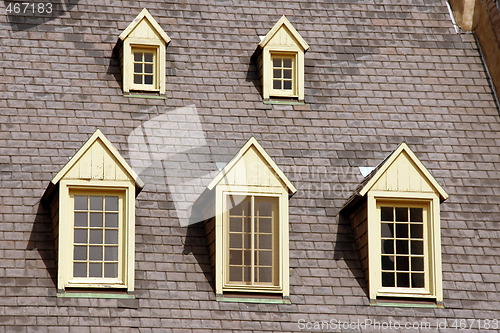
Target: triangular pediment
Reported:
[(98, 159), (402, 171), (145, 26), (252, 166), (284, 34)]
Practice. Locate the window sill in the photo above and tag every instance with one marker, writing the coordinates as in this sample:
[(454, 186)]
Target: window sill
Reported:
[(95, 294), (284, 101), (255, 299), (145, 96), (406, 303)]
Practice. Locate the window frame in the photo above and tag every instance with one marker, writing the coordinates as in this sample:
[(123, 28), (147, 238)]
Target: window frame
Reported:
[(282, 286), (156, 68), (432, 244), (66, 246), (293, 93)]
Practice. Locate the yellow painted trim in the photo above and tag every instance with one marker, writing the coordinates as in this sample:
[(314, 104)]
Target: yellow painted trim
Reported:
[(388, 162), (98, 135), (252, 142), (284, 21), (144, 14)]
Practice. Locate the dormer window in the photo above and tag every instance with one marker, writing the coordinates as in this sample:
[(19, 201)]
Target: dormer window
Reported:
[(143, 55), (281, 62)]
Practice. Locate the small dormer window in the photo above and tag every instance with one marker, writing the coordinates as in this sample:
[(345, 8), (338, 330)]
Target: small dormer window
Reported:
[(281, 63), (143, 55)]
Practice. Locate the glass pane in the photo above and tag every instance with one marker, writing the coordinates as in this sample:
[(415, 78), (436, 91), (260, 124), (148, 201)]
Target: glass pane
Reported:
[(417, 280), (112, 220), (247, 258), (148, 79), (235, 204), (96, 203), (148, 68), (402, 263), (111, 253), (265, 242), (95, 253), (417, 264), (148, 57), (111, 236), (80, 269), (80, 253), (386, 214), (277, 73), (401, 214), (235, 273), (265, 258), (112, 204), (235, 224), (287, 74), (236, 241), (95, 236), (287, 85), (265, 208), (388, 263), (137, 56), (81, 202), (247, 277), (137, 68), (287, 63), (387, 246), (247, 223), (401, 230), (138, 79), (403, 280), (417, 230), (276, 84), (96, 220), (265, 225), (95, 269), (80, 219), (111, 270), (235, 257), (401, 246), (387, 279), (247, 238), (417, 247), (416, 214), (265, 274), (387, 230), (81, 236), (276, 62)]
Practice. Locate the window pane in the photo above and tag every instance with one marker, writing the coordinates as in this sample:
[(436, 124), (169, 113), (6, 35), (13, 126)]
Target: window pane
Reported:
[(402, 230), (148, 57), (96, 220), (96, 203), (95, 253), (236, 203), (388, 279), (402, 263), (81, 202), (402, 247), (387, 230), (287, 85), (416, 214), (403, 280), (111, 220), (148, 79), (80, 219), (265, 225), (386, 214), (247, 257), (265, 274), (95, 236), (417, 264), (265, 242), (137, 56), (401, 214), (112, 203), (138, 68), (265, 208), (111, 236), (277, 74), (388, 263), (287, 63), (247, 238), (247, 277), (276, 62), (235, 257), (81, 236), (417, 230), (95, 269), (265, 258), (80, 253), (138, 79), (148, 68), (417, 280), (417, 247), (236, 241), (387, 246), (276, 84), (235, 273), (247, 226), (111, 270), (236, 224), (80, 269), (111, 253), (287, 74)]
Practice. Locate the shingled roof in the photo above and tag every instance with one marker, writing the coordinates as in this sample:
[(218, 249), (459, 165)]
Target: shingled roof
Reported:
[(377, 73)]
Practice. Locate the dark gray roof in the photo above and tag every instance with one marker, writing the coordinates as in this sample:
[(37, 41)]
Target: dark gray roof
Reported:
[(377, 73)]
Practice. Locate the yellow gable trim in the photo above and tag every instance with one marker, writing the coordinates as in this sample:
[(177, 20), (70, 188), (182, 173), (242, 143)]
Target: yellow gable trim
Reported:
[(144, 14), (268, 160), (403, 147), (283, 21), (98, 135)]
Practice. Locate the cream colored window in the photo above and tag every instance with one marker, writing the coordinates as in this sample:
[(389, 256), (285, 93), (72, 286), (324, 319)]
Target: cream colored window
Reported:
[(284, 82), (404, 254), (145, 73), (97, 234), (253, 247)]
